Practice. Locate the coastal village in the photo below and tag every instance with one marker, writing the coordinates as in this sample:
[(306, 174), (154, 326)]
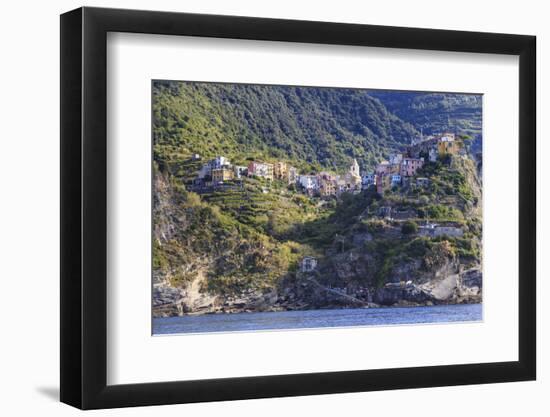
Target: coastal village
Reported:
[(400, 169)]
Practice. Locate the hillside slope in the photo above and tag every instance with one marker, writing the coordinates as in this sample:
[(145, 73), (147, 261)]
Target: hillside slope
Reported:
[(437, 112), (313, 127)]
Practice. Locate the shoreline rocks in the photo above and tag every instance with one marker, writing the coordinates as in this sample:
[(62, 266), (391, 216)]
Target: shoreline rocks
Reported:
[(463, 288)]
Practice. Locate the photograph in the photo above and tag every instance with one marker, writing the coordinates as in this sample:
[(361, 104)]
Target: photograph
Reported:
[(297, 207)]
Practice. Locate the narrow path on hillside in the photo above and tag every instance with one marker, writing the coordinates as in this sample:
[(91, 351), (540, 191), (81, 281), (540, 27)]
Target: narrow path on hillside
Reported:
[(339, 293)]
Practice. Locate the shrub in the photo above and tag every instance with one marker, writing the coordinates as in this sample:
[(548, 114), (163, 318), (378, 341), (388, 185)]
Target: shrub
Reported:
[(409, 228), (424, 200), (418, 247)]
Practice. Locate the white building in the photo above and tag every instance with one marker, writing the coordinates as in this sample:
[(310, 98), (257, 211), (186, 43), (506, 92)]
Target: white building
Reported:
[(448, 231), (308, 264), (447, 137), (434, 230), (309, 182), (368, 180), (217, 163), (260, 169), (220, 162), (292, 175), (240, 171), (395, 158), (427, 229), (432, 154), (205, 171)]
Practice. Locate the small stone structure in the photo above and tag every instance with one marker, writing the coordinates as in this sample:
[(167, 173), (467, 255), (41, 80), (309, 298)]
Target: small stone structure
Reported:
[(385, 212), (403, 214), (308, 264), (448, 231), (434, 230)]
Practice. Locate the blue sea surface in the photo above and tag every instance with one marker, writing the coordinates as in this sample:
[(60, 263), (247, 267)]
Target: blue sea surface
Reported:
[(311, 319)]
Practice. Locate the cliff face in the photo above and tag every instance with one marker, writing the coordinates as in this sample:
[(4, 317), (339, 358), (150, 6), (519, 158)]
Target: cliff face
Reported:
[(202, 258)]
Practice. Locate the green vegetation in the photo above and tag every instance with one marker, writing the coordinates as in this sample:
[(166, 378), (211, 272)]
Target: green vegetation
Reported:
[(409, 228), (437, 112), (310, 127)]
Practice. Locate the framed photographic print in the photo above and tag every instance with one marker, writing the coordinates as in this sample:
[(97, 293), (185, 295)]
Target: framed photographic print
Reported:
[(257, 208)]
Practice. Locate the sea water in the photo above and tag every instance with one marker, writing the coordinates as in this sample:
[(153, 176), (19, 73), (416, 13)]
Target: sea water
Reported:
[(311, 319)]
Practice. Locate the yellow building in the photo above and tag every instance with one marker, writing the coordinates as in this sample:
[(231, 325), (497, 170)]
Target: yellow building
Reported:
[(222, 174), (292, 175), (268, 171), (447, 147), (327, 188), (280, 170)]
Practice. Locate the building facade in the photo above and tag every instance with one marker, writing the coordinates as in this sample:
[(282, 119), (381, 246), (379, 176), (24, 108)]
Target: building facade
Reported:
[(432, 154), (395, 158), (240, 171), (327, 187), (395, 180), (220, 162), (309, 182), (368, 180), (260, 169), (409, 166), (308, 264), (222, 174), (280, 170), (383, 183), (447, 148), (292, 175)]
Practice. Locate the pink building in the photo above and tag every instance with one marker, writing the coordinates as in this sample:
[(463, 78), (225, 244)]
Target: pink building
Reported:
[(409, 166), (260, 169), (383, 168)]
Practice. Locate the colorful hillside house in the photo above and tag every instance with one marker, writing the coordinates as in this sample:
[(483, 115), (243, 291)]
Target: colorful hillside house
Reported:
[(292, 175), (309, 182), (260, 169), (432, 154), (409, 166), (222, 174), (368, 180), (240, 171), (395, 180), (280, 170)]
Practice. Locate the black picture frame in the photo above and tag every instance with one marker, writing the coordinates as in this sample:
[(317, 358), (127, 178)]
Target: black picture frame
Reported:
[(84, 207)]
